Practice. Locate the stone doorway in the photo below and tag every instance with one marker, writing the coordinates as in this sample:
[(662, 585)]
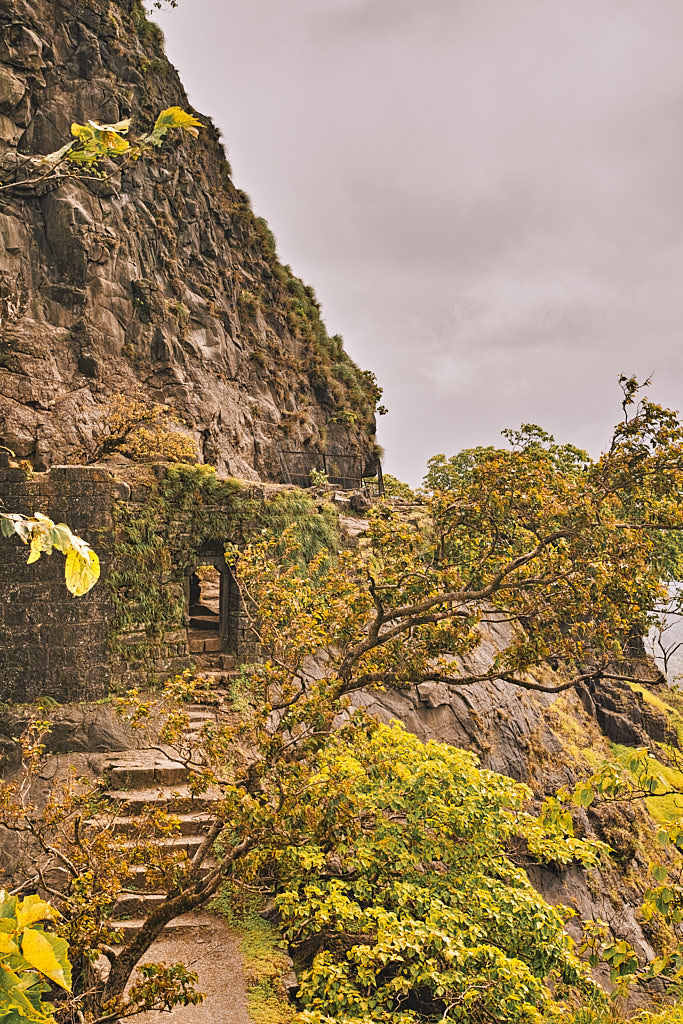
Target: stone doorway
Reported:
[(213, 606)]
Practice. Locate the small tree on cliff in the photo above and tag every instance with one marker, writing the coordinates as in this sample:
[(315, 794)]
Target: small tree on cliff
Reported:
[(570, 553), (92, 145)]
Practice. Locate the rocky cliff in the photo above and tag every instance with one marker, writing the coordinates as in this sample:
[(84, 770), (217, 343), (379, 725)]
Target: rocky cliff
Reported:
[(156, 286)]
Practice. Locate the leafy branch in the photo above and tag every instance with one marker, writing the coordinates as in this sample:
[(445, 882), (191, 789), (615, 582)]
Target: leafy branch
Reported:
[(82, 566), (94, 143)]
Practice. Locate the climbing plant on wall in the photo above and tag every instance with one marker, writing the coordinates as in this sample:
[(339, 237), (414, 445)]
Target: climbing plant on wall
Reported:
[(156, 543)]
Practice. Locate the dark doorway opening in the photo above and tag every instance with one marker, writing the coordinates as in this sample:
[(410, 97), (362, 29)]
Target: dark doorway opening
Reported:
[(214, 602), (205, 588)]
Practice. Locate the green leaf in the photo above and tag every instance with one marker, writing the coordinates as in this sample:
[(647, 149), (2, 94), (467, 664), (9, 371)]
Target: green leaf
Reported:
[(8, 904), (659, 872), (7, 527)]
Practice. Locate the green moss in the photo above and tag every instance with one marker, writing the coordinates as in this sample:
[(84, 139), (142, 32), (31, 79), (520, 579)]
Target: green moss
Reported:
[(664, 809), (265, 1006), (355, 390), (145, 28), (668, 708), (263, 952)]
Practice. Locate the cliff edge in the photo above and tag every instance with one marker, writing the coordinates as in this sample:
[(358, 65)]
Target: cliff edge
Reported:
[(157, 285)]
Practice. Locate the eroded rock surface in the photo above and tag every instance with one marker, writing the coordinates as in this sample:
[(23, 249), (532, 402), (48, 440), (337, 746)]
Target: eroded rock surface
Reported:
[(157, 283)]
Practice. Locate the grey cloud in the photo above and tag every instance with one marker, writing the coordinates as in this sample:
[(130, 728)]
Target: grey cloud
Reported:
[(486, 194)]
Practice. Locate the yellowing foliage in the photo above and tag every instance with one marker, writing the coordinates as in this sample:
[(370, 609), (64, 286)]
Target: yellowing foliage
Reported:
[(30, 956), (142, 430), (82, 566), (94, 142)]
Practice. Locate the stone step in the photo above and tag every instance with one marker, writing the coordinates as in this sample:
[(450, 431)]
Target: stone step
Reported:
[(194, 737), (204, 622), (198, 713), (194, 731), (173, 798), (207, 644), (215, 698), (170, 844), (191, 824), (224, 672), (131, 774), (215, 662), (197, 724), (137, 904), (185, 925), (142, 880)]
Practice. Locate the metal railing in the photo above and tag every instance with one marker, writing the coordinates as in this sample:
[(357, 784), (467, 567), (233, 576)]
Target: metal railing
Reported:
[(347, 470)]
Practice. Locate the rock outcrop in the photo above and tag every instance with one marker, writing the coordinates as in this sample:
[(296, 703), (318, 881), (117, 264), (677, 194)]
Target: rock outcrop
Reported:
[(156, 284)]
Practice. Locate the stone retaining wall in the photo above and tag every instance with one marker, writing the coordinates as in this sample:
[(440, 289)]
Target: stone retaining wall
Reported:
[(53, 644)]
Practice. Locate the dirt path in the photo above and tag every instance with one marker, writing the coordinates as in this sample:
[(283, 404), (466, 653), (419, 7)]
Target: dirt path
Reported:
[(211, 949)]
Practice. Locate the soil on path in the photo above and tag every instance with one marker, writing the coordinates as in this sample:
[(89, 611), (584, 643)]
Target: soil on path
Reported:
[(211, 949)]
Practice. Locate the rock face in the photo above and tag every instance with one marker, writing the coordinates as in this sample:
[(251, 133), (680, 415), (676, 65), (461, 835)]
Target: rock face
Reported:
[(77, 728), (156, 285)]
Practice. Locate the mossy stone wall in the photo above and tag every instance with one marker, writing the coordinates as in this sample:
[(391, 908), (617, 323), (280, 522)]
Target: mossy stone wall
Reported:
[(151, 526)]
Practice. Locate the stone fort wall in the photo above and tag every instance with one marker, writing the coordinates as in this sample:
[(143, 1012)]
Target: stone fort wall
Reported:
[(132, 626), (53, 644)]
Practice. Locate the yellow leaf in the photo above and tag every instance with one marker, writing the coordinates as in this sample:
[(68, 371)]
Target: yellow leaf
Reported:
[(32, 909), (35, 553), (47, 954), (81, 571), (7, 944)]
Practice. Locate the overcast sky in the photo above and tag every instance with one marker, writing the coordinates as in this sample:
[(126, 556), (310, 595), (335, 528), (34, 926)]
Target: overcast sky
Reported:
[(487, 195)]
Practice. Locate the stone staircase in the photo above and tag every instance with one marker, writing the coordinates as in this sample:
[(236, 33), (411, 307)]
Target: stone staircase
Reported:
[(140, 779), (206, 650), (136, 779)]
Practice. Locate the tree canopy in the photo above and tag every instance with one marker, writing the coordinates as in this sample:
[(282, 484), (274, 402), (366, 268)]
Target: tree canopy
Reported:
[(400, 891), (574, 555)]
